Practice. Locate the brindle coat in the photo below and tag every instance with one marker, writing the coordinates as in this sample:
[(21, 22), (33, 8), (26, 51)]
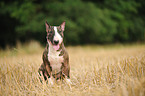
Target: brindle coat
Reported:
[(46, 68)]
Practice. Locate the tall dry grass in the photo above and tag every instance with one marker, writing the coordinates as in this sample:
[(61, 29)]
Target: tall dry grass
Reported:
[(114, 70)]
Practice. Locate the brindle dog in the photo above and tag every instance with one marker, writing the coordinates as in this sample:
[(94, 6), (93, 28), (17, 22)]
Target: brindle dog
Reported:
[(55, 64)]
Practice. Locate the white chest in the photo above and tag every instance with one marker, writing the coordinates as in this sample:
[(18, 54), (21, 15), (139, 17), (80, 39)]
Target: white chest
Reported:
[(55, 60)]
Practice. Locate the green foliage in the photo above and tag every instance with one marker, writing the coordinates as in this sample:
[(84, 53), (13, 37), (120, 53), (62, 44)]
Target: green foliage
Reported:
[(87, 21)]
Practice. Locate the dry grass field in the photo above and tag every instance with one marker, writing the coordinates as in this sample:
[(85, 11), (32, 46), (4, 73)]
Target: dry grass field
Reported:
[(110, 70)]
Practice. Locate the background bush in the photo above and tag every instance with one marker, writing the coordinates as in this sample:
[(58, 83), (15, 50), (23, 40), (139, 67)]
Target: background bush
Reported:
[(87, 21)]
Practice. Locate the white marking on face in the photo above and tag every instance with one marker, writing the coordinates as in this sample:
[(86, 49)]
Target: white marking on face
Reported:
[(57, 36)]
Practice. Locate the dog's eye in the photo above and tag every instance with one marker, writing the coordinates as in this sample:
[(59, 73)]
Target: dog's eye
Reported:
[(59, 31), (50, 31)]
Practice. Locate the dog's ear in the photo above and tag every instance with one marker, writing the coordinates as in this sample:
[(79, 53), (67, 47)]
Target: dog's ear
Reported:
[(63, 26), (47, 26)]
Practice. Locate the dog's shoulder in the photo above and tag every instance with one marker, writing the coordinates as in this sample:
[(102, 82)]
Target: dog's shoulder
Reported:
[(45, 56), (64, 53)]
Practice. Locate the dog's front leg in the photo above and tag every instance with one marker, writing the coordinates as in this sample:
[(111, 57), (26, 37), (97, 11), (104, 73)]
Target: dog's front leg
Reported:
[(49, 75), (46, 73), (42, 73), (65, 72), (48, 70)]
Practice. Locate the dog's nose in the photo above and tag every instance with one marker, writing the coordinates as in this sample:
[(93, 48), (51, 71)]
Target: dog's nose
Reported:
[(56, 42)]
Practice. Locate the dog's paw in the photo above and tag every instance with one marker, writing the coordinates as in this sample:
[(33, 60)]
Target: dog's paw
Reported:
[(68, 81), (40, 77), (50, 81)]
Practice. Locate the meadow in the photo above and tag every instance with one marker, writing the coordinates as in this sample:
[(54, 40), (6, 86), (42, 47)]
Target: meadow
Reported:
[(96, 70)]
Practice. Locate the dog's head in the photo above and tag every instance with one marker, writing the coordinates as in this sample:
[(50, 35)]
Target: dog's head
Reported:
[(55, 35)]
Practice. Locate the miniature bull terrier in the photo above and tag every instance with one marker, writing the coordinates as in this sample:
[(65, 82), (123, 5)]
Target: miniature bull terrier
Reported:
[(55, 64)]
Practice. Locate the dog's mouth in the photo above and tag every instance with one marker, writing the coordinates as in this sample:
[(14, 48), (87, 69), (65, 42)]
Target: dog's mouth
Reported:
[(56, 44), (56, 47)]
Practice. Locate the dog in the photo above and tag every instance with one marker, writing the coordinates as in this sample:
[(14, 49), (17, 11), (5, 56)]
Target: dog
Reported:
[(55, 57)]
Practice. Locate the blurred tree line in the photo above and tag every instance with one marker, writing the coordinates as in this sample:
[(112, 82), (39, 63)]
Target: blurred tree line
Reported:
[(87, 21)]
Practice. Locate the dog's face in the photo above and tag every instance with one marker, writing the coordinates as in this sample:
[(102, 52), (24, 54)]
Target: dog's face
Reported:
[(55, 35)]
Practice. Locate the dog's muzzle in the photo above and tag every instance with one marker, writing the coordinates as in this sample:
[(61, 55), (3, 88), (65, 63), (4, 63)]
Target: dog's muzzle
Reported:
[(56, 42)]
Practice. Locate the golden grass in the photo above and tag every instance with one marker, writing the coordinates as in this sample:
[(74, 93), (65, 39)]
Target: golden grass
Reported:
[(114, 70)]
